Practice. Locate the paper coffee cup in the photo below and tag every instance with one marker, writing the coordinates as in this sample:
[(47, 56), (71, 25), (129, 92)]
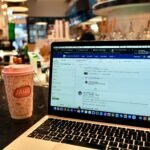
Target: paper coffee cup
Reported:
[(18, 81)]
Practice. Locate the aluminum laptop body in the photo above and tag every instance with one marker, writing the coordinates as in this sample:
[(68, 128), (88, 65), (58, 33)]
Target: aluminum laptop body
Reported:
[(101, 92)]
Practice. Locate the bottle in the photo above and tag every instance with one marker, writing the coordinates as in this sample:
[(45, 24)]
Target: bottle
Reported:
[(148, 30), (131, 34), (26, 55), (33, 62)]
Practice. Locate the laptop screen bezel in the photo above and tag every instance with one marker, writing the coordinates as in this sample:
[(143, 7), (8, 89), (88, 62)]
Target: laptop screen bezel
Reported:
[(122, 121)]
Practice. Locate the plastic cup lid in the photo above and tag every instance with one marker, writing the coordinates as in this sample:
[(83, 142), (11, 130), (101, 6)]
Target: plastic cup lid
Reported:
[(19, 69)]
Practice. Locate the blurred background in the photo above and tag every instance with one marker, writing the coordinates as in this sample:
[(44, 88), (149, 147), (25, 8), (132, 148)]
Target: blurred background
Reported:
[(35, 24)]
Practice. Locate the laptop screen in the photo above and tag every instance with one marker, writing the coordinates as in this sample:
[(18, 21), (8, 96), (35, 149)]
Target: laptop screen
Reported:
[(105, 80)]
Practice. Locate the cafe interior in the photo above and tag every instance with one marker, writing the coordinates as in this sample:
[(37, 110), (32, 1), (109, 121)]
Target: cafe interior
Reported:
[(29, 27)]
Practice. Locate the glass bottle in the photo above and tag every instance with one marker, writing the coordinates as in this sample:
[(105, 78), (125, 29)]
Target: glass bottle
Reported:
[(131, 34), (26, 55), (148, 30)]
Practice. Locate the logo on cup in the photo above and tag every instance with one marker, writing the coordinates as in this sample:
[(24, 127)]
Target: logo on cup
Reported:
[(23, 91)]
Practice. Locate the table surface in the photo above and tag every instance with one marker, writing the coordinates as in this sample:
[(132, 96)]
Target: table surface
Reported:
[(10, 129)]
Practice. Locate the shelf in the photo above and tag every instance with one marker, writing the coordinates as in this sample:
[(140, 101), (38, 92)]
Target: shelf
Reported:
[(105, 8)]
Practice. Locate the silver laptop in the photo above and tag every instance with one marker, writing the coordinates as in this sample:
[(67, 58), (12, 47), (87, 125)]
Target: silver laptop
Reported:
[(99, 98)]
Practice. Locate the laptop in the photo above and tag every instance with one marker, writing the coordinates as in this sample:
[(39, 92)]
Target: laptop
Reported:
[(99, 98)]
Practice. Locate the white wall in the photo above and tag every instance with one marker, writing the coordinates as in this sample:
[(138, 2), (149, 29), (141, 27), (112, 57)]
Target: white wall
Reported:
[(47, 8)]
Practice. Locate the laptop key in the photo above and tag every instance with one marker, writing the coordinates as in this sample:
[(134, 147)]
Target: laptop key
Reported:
[(76, 133), (85, 130), (133, 147), (60, 130), (127, 136), (86, 140), (113, 144), (147, 144), (102, 142), (118, 135), (112, 148), (53, 133), (138, 143), (42, 131), (101, 137), (94, 141), (84, 134), (69, 137), (39, 136), (84, 144), (68, 132), (110, 138), (77, 138), (92, 131), (47, 138), (53, 129), (92, 135), (33, 134), (148, 136), (122, 145), (109, 134), (56, 139), (144, 148), (61, 135), (128, 141), (119, 140)]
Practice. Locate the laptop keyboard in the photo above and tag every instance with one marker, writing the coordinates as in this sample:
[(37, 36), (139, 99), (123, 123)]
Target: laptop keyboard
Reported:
[(100, 137)]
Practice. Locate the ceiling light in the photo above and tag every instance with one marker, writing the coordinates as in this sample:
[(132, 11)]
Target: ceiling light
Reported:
[(4, 13), (4, 6), (18, 8), (41, 23), (15, 1)]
